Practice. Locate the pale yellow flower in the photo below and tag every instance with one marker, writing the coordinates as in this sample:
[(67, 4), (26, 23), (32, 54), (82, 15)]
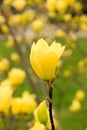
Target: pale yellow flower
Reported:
[(14, 57), (25, 104), (18, 4), (5, 98), (61, 6), (67, 73), (51, 5), (16, 76), (28, 103), (69, 2), (6, 82), (2, 19), (80, 94), (83, 27), (4, 29), (14, 19), (16, 105), (4, 64), (44, 58), (75, 106), (37, 25), (10, 42), (61, 33)]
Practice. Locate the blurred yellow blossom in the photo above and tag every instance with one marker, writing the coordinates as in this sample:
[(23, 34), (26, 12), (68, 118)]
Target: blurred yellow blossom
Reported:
[(14, 19), (6, 82), (44, 58), (81, 65), (4, 64), (7, 2), (83, 19), (14, 57), (83, 27), (16, 76), (2, 19), (75, 106), (25, 104), (51, 5), (37, 25), (16, 104), (19, 4), (5, 98), (80, 94), (69, 2), (61, 33), (67, 17), (10, 41), (28, 103), (67, 73), (61, 6), (4, 29)]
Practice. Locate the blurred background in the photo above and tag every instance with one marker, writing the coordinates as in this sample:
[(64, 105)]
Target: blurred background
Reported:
[(23, 22)]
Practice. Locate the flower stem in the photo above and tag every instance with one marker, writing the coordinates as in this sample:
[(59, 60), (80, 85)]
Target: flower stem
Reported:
[(50, 88)]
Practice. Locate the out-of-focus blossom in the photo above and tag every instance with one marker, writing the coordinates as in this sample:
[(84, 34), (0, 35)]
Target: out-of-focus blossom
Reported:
[(25, 104), (5, 98), (37, 25), (16, 76), (75, 106), (80, 95), (14, 57), (4, 64), (18, 4)]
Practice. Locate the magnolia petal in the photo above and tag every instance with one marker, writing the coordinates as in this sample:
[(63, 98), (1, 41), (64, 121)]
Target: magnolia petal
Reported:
[(42, 49), (49, 66), (55, 45), (41, 44), (60, 52), (35, 65)]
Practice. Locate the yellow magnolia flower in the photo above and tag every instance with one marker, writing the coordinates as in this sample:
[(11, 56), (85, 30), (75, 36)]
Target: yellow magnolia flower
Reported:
[(25, 104), (14, 19), (19, 4), (61, 33), (75, 106), (4, 64), (4, 29), (51, 5), (16, 104), (69, 2), (16, 76), (2, 19), (80, 95), (5, 98), (10, 42), (28, 102), (6, 82), (44, 58), (37, 25), (14, 57)]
